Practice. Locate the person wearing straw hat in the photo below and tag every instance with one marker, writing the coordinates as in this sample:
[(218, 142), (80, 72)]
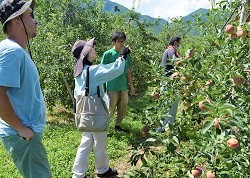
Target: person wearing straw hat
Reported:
[(85, 54), (22, 106)]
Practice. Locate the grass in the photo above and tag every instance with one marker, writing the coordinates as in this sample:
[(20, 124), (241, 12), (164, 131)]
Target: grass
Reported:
[(61, 140)]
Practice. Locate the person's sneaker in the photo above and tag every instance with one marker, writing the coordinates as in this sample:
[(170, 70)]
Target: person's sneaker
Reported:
[(109, 173), (119, 129)]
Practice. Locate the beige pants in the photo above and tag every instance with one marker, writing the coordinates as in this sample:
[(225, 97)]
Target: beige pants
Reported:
[(118, 103)]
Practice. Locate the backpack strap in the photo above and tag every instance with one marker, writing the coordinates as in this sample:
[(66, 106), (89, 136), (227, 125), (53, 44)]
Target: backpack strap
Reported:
[(98, 91), (87, 85)]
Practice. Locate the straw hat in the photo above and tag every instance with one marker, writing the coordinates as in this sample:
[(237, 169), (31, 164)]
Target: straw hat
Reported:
[(80, 50)]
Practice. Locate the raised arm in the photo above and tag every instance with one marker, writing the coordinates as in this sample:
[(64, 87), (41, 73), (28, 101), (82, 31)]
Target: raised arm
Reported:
[(106, 72)]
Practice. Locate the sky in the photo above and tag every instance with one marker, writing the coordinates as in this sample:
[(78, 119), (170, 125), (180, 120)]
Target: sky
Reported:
[(165, 8)]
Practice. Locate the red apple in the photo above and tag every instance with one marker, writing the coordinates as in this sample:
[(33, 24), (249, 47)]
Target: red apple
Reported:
[(185, 78), (210, 174), (236, 18), (202, 107), (175, 75), (229, 29), (216, 122), (155, 95), (233, 143), (197, 171), (208, 83), (241, 34), (232, 36)]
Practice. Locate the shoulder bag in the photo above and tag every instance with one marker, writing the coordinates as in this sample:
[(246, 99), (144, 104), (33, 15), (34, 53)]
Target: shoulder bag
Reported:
[(92, 114)]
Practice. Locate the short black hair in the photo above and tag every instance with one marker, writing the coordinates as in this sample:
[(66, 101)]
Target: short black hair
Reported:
[(174, 39), (118, 35)]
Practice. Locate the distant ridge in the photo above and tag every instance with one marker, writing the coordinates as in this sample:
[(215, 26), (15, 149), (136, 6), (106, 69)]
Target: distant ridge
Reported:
[(118, 8), (111, 6), (200, 11)]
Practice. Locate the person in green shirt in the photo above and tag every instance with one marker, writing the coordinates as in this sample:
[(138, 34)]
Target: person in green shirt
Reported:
[(117, 89)]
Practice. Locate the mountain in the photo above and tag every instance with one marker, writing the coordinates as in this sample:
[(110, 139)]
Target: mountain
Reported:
[(117, 8), (197, 12), (114, 7)]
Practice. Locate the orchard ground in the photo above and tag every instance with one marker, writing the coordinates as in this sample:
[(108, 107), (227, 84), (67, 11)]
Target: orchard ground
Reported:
[(61, 140)]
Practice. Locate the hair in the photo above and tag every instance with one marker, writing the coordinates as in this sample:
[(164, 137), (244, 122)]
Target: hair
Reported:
[(77, 51), (174, 39), (77, 54), (85, 61), (6, 26), (118, 35)]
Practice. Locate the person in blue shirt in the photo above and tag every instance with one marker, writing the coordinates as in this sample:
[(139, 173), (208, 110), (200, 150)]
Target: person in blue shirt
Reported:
[(85, 55), (22, 107)]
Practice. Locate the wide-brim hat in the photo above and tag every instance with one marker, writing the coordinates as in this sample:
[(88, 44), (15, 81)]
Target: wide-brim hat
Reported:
[(80, 50), (10, 9)]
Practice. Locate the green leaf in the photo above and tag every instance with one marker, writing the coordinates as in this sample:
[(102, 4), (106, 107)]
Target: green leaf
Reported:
[(207, 126), (176, 140)]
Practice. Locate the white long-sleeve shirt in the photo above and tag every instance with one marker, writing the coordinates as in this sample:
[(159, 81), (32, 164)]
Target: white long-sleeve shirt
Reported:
[(98, 75)]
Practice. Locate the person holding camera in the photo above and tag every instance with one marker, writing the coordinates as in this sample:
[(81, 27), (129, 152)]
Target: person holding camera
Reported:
[(85, 55)]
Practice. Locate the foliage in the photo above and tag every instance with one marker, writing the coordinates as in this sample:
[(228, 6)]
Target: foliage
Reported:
[(193, 139), (61, 23), (60, 26)]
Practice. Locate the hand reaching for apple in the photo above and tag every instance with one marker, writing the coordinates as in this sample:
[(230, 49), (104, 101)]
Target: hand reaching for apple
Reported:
[(190, 54)]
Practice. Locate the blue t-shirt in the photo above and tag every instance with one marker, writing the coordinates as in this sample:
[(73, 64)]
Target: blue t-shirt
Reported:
[(19, 74)]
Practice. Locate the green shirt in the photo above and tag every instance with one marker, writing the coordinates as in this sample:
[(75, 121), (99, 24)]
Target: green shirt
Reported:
[(119, 83)]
